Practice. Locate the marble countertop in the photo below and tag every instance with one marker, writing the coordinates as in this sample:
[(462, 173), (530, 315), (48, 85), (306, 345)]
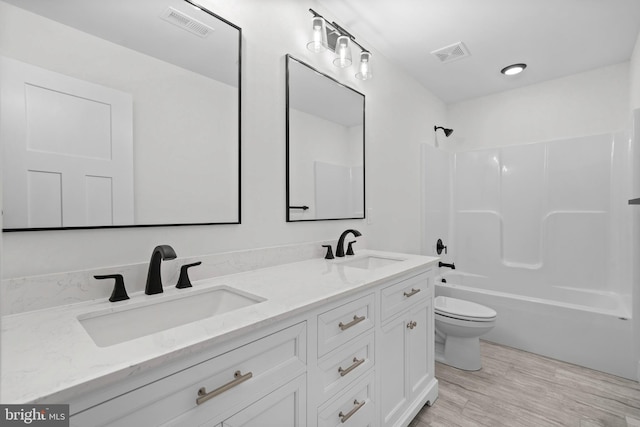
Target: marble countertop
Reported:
[(47, 356)]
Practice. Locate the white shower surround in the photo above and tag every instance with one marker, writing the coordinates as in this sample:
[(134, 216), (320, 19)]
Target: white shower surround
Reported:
[(542, 232)]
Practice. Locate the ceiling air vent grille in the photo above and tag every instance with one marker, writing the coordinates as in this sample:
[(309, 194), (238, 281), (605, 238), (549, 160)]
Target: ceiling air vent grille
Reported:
[(186, 22), (451, 52)]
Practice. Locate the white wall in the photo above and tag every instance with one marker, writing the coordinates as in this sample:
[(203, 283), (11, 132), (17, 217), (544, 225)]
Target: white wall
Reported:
[(635, 192), (634, 75), (400, 114), (589, 103)]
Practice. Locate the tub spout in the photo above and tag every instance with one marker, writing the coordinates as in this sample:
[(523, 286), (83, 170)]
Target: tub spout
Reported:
[(444, 264)]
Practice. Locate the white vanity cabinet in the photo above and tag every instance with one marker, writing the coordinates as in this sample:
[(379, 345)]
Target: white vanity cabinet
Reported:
[(361, 358), (209, 391), (405, 359), (346, 354), (284, 407), (354, 407)]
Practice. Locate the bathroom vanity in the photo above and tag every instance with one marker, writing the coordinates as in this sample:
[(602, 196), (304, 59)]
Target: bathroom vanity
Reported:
[(311, 343)]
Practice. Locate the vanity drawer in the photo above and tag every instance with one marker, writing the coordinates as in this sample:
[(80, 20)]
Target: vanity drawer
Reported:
[(223, 385), (395, 298), (353, 408), (343, 366), (339, 325)]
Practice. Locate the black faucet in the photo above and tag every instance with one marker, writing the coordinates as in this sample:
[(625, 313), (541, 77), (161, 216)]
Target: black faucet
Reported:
[(444, 264), (154, 281), (340, 247)]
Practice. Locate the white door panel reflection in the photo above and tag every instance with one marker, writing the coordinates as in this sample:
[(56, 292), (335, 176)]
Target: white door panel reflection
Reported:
[(68, 150)]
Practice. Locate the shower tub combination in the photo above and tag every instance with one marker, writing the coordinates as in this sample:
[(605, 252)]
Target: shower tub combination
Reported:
[(540, 233), (586, 328)]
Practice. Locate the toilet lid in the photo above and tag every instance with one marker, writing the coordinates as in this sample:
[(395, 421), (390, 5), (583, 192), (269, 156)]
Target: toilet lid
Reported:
[(465, 310)]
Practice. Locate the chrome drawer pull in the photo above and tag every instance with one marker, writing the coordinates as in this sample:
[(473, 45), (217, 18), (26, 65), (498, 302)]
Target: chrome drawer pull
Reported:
[(239, 379), (412, 324), (356, 363), (354, 322), (345, 417), (412, 293)]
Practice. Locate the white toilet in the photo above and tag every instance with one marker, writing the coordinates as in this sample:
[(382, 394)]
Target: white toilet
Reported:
[(459, 325)]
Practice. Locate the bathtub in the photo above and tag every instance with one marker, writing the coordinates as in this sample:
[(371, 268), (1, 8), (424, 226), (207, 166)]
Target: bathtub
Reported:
[(587, 328)]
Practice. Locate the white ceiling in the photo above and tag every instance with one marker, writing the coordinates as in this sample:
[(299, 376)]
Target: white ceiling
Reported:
[(554, 37)]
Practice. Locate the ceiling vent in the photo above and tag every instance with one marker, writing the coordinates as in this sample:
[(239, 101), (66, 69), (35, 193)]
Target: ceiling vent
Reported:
[(452, 52), (186, 22)]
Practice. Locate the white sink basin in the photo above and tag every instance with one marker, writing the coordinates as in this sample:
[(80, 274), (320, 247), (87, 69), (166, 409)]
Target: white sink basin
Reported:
[(108, 327), (370, 262)]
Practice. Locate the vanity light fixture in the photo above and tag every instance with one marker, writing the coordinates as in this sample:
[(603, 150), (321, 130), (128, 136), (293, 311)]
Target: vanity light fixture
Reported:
[(364, 72), (318, 42), (329, 35), (343, 53), (513, 69)]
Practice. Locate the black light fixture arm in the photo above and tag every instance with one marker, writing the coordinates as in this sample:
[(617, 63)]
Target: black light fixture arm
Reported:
[(339, 29)]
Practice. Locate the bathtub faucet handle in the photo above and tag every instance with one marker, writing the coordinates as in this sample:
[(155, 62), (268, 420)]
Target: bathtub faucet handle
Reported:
[(440, 246)]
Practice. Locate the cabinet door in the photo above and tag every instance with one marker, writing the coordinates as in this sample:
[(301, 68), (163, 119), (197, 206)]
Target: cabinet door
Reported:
[(393, 364), (420, 346), (285, 407)]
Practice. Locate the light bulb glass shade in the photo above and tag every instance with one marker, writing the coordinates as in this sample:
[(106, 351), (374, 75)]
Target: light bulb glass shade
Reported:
[(318, 41), (343, 52), (364, 72)]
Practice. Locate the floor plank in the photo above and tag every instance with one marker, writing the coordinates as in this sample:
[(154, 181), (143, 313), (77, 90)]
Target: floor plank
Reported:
[(516, 388)]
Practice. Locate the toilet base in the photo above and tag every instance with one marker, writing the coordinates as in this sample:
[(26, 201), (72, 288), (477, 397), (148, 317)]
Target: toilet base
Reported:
[(461, 353)]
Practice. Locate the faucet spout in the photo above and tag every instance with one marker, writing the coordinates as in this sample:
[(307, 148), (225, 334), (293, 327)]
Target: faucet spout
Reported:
[(340, 247), (444, 264), (154, 281)]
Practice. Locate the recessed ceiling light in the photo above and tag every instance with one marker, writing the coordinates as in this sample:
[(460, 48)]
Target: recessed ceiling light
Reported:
[(513, 69)]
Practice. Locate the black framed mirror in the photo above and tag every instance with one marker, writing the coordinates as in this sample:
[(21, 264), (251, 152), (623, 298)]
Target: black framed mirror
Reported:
[(128, 115), (325, 122)]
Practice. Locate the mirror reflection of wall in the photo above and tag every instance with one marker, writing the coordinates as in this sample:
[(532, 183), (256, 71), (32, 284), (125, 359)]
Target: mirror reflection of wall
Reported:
[(325, 146), (183, 113)]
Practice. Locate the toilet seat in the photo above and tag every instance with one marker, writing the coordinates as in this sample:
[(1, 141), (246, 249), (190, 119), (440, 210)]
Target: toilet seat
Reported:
[(463, 310)]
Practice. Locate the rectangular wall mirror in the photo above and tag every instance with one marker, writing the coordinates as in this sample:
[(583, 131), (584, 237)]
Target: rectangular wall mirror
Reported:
[(325, 146), (118, 114)]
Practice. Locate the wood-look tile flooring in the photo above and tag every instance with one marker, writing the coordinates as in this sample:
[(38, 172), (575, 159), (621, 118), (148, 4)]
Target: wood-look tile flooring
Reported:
[(516, 388)]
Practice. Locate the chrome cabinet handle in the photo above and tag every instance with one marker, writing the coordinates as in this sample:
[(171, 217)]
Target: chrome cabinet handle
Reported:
[(345, 417), (203, 396), (356, 363), (354, 322), (412, 293), (412, 324)]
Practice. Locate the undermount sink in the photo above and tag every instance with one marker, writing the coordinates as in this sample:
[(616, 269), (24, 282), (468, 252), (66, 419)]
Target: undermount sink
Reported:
[(370, 262), (108, 327)]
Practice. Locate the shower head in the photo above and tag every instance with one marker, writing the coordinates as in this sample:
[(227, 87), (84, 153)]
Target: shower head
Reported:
[(447, 132)]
